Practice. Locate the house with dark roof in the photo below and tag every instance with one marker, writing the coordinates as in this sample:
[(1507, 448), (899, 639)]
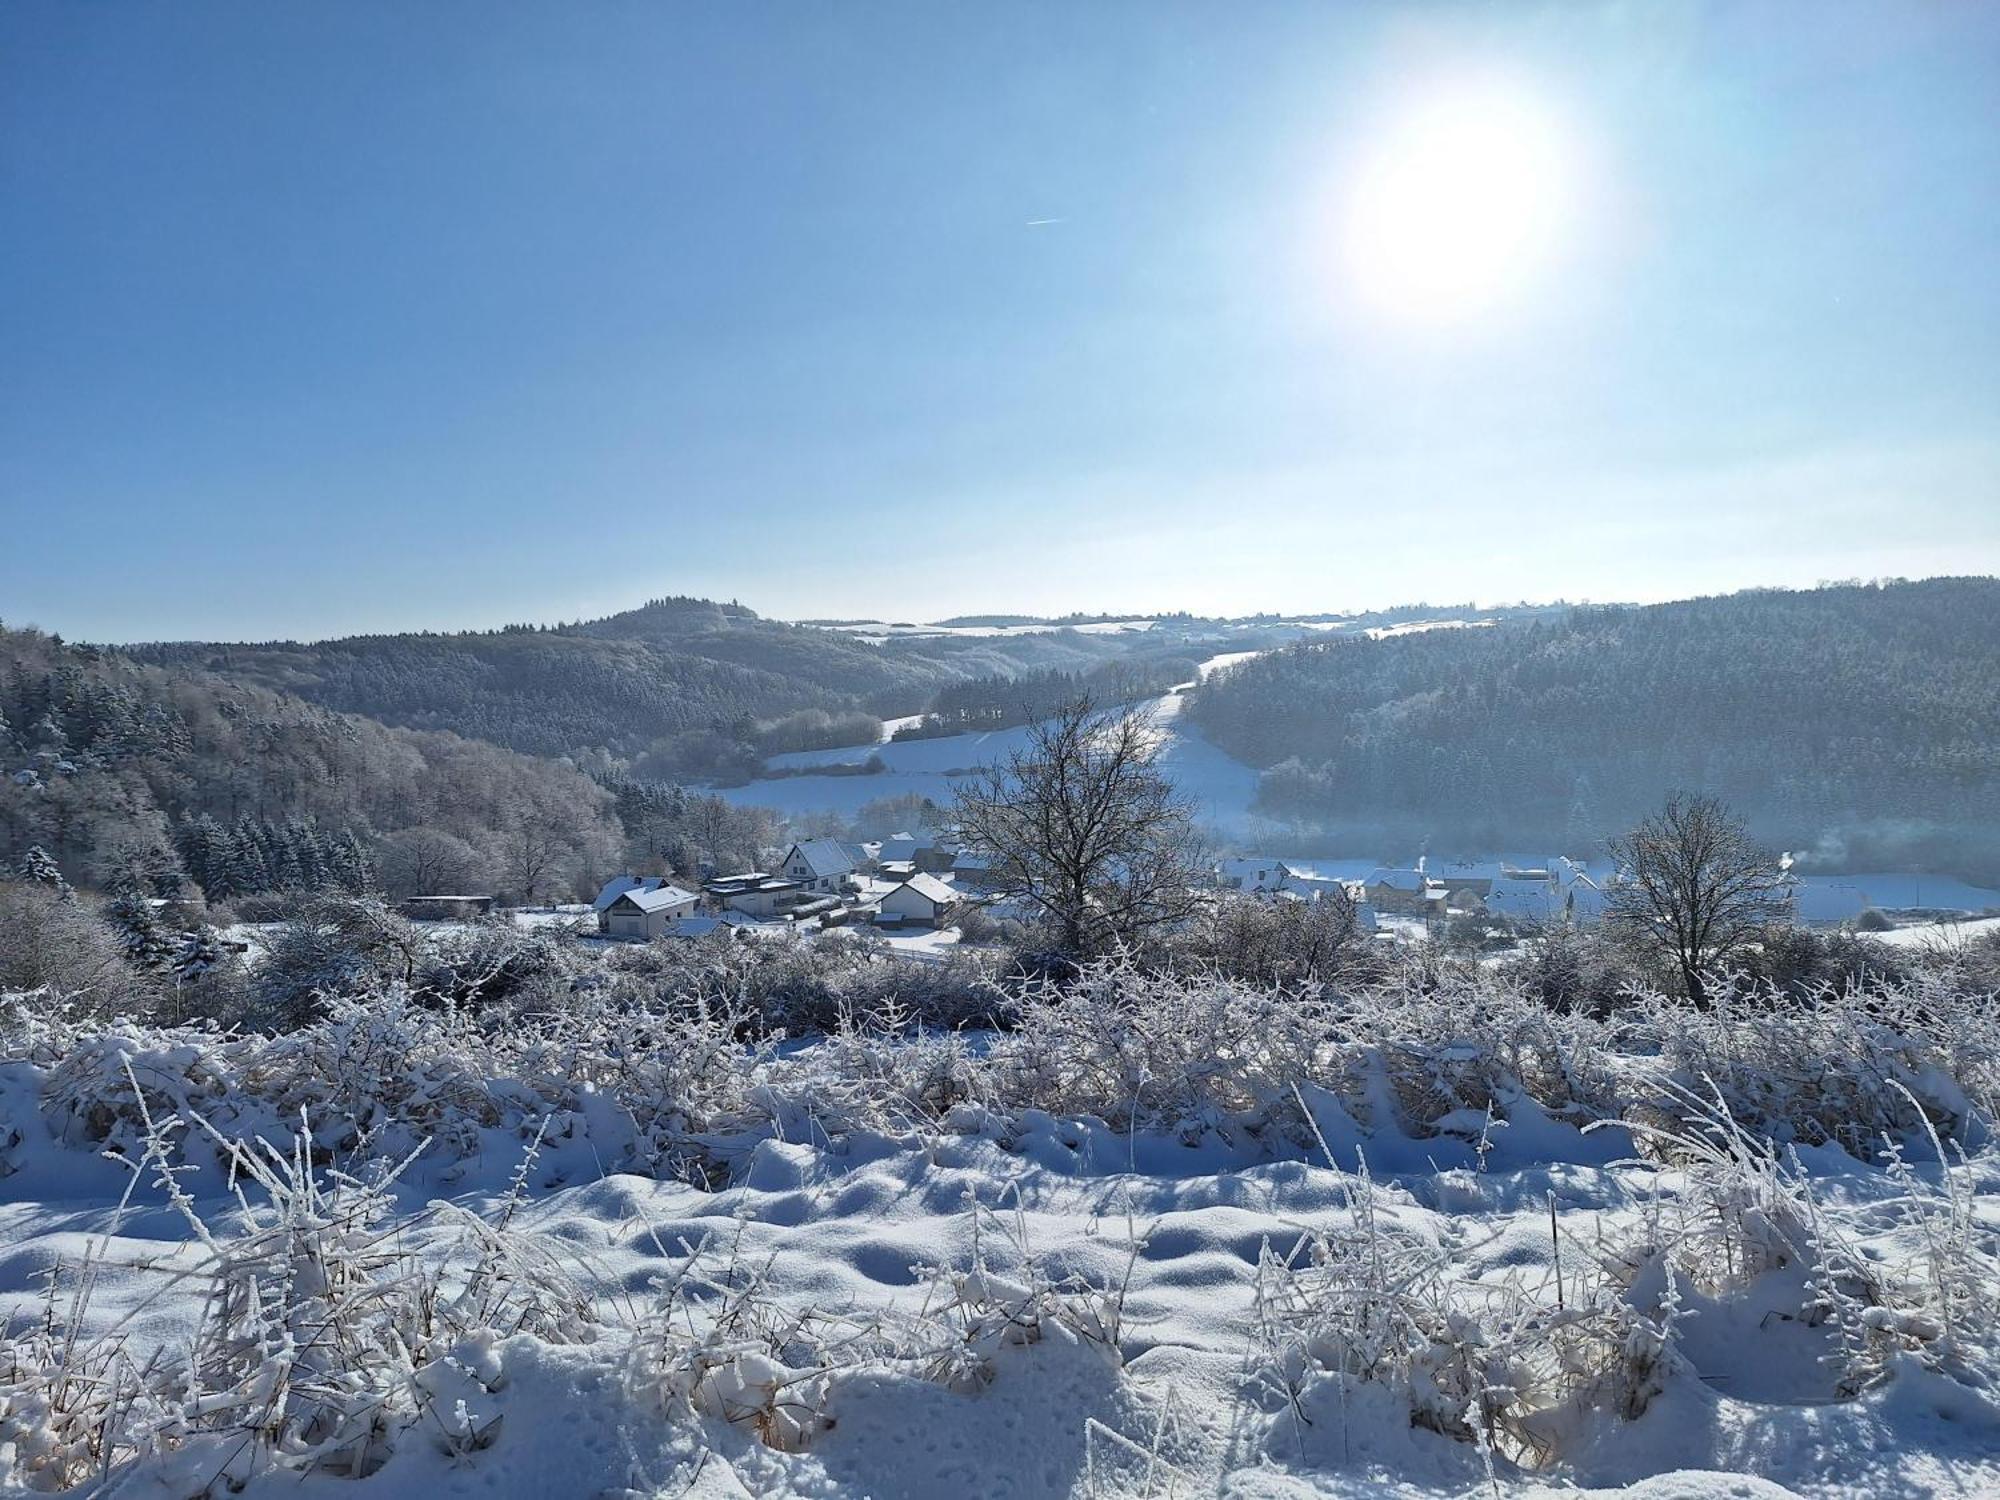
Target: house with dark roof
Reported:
[(756, 894)]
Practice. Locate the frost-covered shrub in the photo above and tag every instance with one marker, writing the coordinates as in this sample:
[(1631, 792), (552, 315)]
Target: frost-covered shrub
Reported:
[(1157, 1051), (490, 962), (1566, 970), (779, 985), (1289, 943), (1745, 1208), (1511, 1370), (53, 940), (336, 946), (1840, 1065), (324, 1338)]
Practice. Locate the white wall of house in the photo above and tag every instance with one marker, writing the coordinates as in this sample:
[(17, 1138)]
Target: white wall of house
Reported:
[(762, 905), (914, 906), (623, 919)]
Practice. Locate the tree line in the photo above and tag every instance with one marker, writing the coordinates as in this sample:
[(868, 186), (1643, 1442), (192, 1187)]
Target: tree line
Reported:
[(678, 681), (1863, 719), (129, 774)]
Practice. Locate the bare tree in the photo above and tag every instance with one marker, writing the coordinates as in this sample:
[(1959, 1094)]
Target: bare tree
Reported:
[(1693, 886), (1082, 825), (532, 854), (428, 862)]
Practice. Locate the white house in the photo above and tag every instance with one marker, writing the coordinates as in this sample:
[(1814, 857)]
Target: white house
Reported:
[(1585, 901), (648, 912), (1258, 876), (922, 899), (823, 864)]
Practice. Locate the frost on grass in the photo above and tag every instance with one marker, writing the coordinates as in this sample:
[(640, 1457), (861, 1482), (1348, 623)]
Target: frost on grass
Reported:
[(1160, 1231)]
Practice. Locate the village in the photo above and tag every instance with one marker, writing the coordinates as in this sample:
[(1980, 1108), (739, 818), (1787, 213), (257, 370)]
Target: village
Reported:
[(922, 887)]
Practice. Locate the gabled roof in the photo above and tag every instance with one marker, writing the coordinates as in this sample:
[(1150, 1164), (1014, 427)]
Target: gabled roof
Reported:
[(826, 857), (656, 898), (1398, 880), (702, 926), (1525, 900), (930, 888), (615, 887)]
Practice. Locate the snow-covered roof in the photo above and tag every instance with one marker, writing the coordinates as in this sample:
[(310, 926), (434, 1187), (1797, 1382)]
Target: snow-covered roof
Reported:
[(656, 898), (702, 926), (1469, 869), (826, 857), (1398, 880), (615, 887), (1253, 867), (1524, 898), (930, 888), (898, 847)]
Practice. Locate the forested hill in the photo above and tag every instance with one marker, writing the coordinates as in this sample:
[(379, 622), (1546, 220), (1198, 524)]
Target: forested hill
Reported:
[(1862, 721), (610, 690), (123, 771)]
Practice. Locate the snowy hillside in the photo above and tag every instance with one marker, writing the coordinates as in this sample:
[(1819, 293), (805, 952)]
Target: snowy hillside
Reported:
[(1221, 786)]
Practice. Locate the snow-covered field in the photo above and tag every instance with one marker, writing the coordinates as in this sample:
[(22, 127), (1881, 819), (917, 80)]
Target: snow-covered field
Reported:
[(1222, 786), (878, 631), (1164, 1238), (1942, 935)]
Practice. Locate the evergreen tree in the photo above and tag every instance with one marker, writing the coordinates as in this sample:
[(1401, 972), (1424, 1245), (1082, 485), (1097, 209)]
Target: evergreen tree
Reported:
[(38, 867), (200, 954), (132, 917)]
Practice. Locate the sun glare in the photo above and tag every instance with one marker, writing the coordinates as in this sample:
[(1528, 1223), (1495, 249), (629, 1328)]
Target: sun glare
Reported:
[(1457, 204)]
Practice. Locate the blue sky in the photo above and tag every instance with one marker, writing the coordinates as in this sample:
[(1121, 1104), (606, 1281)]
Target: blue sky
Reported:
[(328, 318)]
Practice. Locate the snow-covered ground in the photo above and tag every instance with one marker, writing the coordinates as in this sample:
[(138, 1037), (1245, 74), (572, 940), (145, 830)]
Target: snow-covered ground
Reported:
[(1945, 935), (1222, 786), (1031, 1305), (878, 631)]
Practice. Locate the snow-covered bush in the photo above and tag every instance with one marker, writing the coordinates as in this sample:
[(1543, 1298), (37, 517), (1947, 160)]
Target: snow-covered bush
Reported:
[(1514, 1370), (1841, 1065)]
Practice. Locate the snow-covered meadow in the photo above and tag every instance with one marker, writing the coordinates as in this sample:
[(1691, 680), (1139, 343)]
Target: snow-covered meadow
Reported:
[(1157, 1236)]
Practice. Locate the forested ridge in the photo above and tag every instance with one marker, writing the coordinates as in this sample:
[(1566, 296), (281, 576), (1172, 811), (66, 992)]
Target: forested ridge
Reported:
[(124, 772), (1863, 720), (608, 691)]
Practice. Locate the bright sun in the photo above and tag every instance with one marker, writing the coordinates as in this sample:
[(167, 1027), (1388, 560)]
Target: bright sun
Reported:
[(1458, 203)]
